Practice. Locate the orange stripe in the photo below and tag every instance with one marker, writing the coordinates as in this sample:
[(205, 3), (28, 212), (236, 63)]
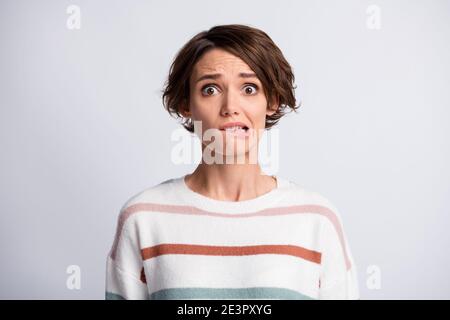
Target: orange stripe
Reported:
[(180, 209), (297, 251)]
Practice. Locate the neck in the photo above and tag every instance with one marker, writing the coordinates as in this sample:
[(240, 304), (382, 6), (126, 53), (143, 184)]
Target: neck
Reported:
[(230, 182)]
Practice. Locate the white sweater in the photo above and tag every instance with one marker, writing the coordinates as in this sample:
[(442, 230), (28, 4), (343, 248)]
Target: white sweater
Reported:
[(174, 243)]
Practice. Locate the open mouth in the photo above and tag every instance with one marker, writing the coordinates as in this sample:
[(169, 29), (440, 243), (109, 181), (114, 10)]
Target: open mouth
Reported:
[(236, 129)]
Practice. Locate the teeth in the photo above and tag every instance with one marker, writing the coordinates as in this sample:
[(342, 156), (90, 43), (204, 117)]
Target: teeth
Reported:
[(234, 128)]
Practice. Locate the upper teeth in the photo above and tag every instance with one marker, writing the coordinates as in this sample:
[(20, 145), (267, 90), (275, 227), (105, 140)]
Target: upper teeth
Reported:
[(234, 128)]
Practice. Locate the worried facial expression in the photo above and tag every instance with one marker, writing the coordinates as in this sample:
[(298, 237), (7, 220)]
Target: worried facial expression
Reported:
[(227, 97)]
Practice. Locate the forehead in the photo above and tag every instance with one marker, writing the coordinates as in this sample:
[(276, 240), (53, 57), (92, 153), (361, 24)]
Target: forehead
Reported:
[(219, 60)]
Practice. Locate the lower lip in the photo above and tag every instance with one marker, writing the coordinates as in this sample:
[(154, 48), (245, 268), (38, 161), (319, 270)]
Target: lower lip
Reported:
[(241, 134)]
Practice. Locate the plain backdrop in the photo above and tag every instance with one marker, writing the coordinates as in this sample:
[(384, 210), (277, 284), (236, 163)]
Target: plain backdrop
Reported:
[(82, 129)]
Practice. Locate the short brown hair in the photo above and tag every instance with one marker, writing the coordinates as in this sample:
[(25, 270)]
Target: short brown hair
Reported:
[(251, 45)]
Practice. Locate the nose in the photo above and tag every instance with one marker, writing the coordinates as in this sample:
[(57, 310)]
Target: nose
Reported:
[(230, 105)]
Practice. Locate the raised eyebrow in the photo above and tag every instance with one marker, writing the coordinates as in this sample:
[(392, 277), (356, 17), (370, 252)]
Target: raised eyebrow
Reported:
[(214, 76), (247, 75)]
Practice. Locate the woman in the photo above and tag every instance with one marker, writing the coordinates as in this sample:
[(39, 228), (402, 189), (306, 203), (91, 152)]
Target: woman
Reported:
[(228, 231)]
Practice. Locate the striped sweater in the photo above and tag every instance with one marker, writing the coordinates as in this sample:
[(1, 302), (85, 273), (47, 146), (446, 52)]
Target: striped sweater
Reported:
[(174, 243)]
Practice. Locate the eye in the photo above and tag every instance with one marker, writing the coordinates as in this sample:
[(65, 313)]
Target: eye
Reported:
[(208, 90), (251, 89)]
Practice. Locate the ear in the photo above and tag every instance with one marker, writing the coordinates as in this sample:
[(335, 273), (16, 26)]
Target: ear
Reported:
[(273, 107), (184, 109)]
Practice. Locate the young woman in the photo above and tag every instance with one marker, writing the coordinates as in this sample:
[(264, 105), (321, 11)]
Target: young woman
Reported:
[(228, 231)]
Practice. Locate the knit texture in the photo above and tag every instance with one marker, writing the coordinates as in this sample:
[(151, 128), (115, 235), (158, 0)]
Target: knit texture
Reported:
[(174, 243)]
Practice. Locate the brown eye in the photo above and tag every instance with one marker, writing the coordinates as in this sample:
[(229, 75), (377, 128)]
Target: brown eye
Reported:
[(208, 90), (250, 89)]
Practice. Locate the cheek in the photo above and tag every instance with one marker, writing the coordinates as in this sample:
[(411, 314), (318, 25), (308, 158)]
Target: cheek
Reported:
[(259, 114), (203, 111)]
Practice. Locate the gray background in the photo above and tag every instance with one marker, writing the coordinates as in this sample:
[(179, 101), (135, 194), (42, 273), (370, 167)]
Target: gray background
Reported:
[(83, 129)]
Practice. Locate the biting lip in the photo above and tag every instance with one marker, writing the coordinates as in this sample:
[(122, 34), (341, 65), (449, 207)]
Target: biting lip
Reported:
[(234, 124)]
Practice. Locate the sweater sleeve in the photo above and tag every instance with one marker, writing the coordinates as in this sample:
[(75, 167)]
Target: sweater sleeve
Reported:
[(124, 266), (338, 278)]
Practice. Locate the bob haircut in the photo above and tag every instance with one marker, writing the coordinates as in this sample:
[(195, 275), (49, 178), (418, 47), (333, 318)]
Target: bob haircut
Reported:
[(251, 45)]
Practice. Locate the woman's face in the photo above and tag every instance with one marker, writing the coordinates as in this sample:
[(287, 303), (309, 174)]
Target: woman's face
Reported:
[(223, 89)]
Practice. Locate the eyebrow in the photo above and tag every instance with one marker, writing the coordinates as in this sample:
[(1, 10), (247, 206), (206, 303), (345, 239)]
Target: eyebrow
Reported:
[(218, 75)]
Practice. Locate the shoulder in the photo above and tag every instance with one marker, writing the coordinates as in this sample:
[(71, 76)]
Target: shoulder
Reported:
[(156, 193), (298, 194), (312, 202), (332, 235), (144, 200)]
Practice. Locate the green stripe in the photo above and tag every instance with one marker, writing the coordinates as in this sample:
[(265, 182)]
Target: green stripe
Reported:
[(113, 296), (228, 293)]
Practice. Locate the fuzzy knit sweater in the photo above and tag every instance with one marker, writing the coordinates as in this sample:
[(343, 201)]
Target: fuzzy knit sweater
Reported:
[(174, 243)]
